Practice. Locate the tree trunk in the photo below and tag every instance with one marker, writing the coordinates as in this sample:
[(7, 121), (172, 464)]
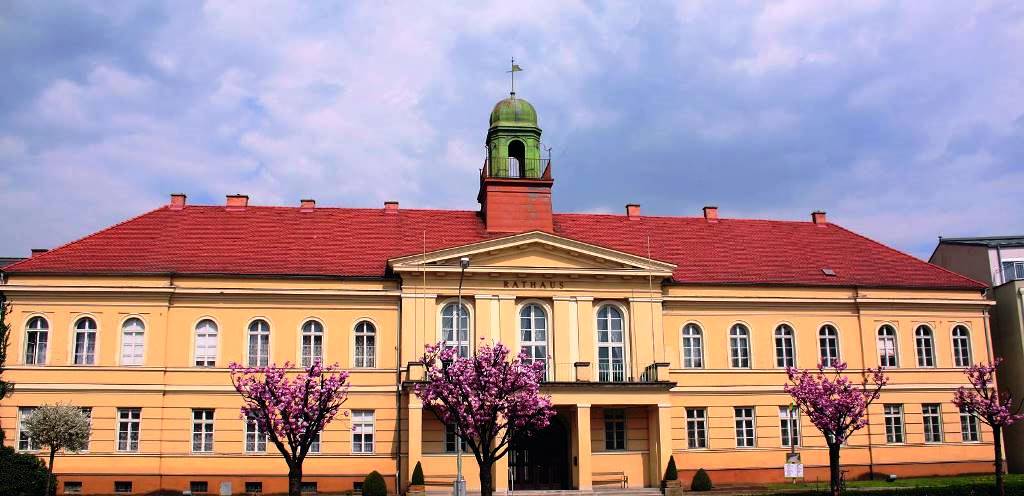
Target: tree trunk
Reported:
[(997, 440), (295, 479), (833, 468), (486, 483), (49, 477)]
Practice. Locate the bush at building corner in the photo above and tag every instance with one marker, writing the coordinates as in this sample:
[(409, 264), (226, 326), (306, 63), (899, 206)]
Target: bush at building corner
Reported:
[(22, 474), (701, 481), (417, 475), (373, 485), (670, 485)]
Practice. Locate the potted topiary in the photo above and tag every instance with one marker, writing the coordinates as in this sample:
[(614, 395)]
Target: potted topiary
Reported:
[(373, 485), (417, 486), (701, 481), (671, 486)]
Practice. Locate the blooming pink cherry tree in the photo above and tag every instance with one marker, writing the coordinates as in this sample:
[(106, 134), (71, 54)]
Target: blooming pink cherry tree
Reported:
[(994, 408), (291, 411), (489, 399), (835, 405)]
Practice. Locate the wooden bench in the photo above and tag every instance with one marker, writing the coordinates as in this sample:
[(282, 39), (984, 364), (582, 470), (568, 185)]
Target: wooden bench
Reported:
[(439, 480), (618, 478)]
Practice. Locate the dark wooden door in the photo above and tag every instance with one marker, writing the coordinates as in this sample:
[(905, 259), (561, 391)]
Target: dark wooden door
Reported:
[(541, 461)]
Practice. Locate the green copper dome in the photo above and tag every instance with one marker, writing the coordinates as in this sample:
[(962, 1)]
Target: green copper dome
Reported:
[(514, 111)]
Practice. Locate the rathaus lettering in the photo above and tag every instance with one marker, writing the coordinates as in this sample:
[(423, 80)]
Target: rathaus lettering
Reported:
[(535, 284)]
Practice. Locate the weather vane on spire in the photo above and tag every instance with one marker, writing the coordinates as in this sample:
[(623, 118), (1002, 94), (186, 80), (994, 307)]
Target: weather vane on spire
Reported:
[(515, 69)]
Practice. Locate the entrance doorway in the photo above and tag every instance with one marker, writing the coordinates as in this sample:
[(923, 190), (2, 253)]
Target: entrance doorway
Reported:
[(541, 461)]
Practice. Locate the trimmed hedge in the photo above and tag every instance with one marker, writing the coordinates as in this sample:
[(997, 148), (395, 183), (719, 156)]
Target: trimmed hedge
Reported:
[(373, 485), (701, 481), (417, 475), (671, 473), (22, 474)]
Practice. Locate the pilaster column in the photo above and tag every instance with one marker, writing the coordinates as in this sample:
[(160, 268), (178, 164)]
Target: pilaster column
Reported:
[(583, 448), (664, 438), (415, 435)]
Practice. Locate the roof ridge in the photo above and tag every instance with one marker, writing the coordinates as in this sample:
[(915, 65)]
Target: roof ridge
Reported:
[(689, 217), (907, 255), (47, 253)]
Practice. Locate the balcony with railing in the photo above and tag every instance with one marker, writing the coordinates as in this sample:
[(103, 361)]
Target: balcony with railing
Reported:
[(517, 168)]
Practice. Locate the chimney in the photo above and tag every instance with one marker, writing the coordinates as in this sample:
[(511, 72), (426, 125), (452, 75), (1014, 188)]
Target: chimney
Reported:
[(711, 213), (307, 205), (237, 202), (818, 217), (38, 251), (633, 211), (177, 201), (391, 207)]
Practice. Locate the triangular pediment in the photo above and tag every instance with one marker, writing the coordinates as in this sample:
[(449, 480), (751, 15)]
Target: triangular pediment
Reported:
[(534, 252)]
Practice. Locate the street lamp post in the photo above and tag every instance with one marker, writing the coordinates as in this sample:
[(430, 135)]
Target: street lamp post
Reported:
[(460, 482)]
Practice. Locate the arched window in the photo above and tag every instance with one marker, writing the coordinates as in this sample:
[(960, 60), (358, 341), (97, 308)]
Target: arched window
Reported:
[(925, 346), (455, 327), (961, 346), (366, 344), (206, 343), (828, 344), (887, 351), (533, 333), (516, 159), (133, 338), (785, 351), (312, 342), (739, 346), (85, 341), (611, 364), (693, 347), (259, 343), (37, 335)]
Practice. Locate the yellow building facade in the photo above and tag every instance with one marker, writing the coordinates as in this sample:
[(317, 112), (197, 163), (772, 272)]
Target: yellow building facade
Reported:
[(651, 350)]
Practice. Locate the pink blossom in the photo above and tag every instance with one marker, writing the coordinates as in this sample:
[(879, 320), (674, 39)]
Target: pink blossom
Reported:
[(983, 399)]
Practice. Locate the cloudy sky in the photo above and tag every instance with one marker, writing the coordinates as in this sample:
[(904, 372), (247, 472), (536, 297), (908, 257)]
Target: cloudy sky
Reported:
[(904, 121)]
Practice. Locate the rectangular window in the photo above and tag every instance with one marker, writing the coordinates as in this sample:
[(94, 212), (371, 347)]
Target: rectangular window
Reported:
[(969, 431), (255, 438), (362, 431), (1013, 270), (122, 486), (894, 424), (128, 420), (253, 487), (25, 443), (314, 447), (696, 428), (745, 433), (72, 487), (614, 429), (308, 487), (87, 411), (452, 441), (932, 417), (199, 487), (789, 426), (202, 431)]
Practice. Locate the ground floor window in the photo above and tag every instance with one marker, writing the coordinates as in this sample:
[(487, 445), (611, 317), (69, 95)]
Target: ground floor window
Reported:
[(614, 429), (25, 442), (696, 428), (745, 436), (128, 420), (255, 438), (362, 431), (202, 431), (789, 426), (969, 431), (894, 424), (452, 441), (931, 415)]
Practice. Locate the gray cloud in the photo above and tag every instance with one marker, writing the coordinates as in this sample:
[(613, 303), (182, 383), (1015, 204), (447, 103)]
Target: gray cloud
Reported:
[(903, 120)]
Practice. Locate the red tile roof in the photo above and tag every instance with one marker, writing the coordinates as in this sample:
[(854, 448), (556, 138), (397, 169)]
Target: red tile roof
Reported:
[(349, 242)]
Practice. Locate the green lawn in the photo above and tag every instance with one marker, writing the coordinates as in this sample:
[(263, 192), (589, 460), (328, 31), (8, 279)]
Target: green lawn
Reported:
[(1012, 480)]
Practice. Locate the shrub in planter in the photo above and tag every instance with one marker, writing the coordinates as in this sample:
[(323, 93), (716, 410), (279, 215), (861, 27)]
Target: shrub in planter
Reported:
[(670, 485), (373, 485), (22, 474), (417, 475), (701, 481)]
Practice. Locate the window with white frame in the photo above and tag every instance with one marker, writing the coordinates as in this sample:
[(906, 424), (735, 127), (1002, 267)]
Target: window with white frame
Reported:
[(362, 431), (931, 416), (37, 335), (739, 346), (696, 428), (893, 424), (611, 363), (452, 441), (693, 347), (25, 442), (455, 327), (961, 346), (133, 338), (533, 334), (887, 348), (202, 431), (789, 426), (785, 349), (828, 345), (925, 346), (87, 411), (259, 343), (969, 429), (614, 429), (312, 342), (128, 423), (85, 341), (206, 343), (1013, 270), (255, 437), (366, 344), (745, 431)]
